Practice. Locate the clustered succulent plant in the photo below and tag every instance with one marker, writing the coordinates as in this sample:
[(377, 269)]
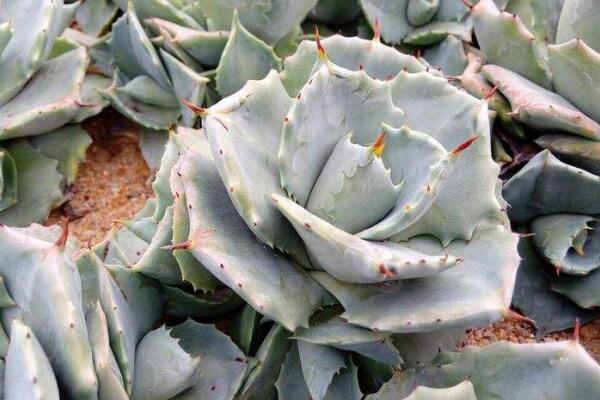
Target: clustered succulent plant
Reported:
[(328, 216)]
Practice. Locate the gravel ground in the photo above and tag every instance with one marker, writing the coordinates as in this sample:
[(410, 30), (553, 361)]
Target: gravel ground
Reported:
[(114, 183)]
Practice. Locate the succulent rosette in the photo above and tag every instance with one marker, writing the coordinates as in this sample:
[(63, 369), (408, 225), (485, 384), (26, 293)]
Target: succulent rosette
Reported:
[(334, 178)]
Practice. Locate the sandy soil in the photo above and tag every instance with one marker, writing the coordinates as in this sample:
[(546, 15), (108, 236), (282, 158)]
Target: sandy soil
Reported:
[(114, 183)]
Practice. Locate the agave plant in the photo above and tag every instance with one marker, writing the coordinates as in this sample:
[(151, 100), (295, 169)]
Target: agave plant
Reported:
[(43, 95), (221, 189), (542, 60), (419, 22)]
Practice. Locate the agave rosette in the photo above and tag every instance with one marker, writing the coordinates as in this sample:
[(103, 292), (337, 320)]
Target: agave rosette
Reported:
[(43, 94), (334, 150), (543, 57)]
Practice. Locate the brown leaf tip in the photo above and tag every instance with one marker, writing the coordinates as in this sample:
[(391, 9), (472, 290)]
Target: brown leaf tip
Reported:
[(203, 112)]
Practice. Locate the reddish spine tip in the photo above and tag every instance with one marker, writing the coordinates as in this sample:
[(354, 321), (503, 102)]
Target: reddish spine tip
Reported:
[(203, 112), (468, 4), (320, 48), (491, 92), (377, 30), (463, 146)]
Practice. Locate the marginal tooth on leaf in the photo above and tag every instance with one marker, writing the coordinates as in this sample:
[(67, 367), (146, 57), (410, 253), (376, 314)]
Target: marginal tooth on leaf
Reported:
[(320, 49), (379, 146), (62, 240), (202, 112), (463, 146)]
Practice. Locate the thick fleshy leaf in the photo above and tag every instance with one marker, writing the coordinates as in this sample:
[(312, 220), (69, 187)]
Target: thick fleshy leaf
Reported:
[(28, 374), (49, 100), (164, 9), (132, 304), (187, 85), (419, 12), (354, 178), (580, 152), (244, 58), (221, 241), (449, 55), (43, 281), (538, 107), (163, 369), (546, 186), (290, 383), (533, 296), (344, 386), (168, 44), (67, 145), (540, 16), (462, 391), (8, 180), (205, 47), (144, 51), (504, 40), (338, 333), (474, 292), (148, 115), (244, 131), (420, 348), (506, 370), (183, 304), (38, 185), (157, 261), (95, 16), (35, 27), (260, 384), (222, 366), (268, 20), (575, 71), (391, 15), (319, 364), (146, 90), (568, 242), (92, 101), (153, 145), (437, 31), (452, 117), (579, 19), (423, 167), (351, 259), (192, 270), (336, 12), (313, 127), (353, 53), (110, 381), (583, 290)]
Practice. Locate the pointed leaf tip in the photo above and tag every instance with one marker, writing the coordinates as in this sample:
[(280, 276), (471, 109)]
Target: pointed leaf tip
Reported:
[(461, 147), (202, 112), (377, 30), (62, 240), (379, 146), (321, 50), (468, 4)]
